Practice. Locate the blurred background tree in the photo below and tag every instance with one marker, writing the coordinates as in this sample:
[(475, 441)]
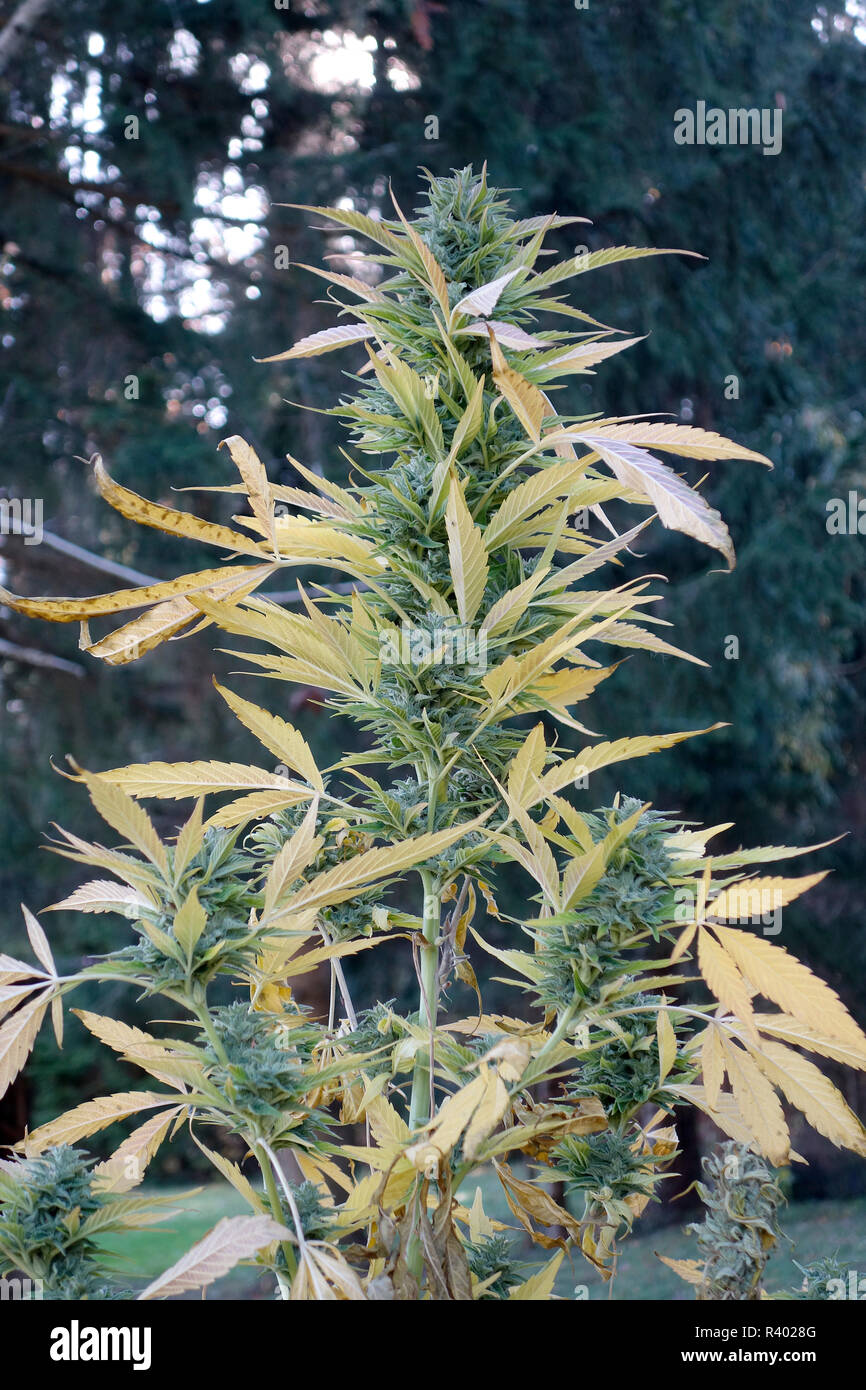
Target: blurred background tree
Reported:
[(147, 255)]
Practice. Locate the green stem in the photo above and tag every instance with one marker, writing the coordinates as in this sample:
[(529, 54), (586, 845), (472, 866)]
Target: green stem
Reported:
[(536, 1067), (267, 1168), (200, 1009), (420, 1104)]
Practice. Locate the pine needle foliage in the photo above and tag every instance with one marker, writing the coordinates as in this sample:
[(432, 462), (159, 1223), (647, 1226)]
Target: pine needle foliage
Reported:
[(473, 541)]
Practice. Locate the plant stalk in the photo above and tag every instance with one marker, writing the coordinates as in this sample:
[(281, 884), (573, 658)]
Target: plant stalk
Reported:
[(421, 1103), (268, 1162)]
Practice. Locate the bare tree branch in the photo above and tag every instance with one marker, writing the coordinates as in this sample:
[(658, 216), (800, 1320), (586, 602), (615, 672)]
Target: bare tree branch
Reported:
[(86, 557), (31, 657), (14, 34), (137, 577)]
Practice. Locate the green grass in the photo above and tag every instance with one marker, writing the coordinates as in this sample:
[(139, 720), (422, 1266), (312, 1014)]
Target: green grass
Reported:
[(817, 1229), (140, 1255)]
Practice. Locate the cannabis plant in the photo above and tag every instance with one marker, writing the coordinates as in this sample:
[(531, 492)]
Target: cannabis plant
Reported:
[(739, 1232), (471, 618)]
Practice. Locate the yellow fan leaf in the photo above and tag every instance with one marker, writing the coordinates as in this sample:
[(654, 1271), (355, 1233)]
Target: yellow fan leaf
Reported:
[(527, 402), (724, 1113), (255, 480), (480, 1224), (132, 871), (356, 222), (748, 901), (491, 1109), (189, 840), (39, 941), (122, 1037), (508, 609), (143, 634), (165, 620), (277, 735), (17, 1036), (687, 440), (667, 1043), (316, 1168), (690, 1270), (91, 1117), (530, 1202), (76, 610), (521, 961), (127, 1166), (256, 806), (432, 268), (338, 884), (127, 818), (138, 509), (809, 1089), (484, 300), (598, 557), (189, 922), (593, 260), (11, 995), (408, 390), (171, 781), (758, 1103), (103, 895), (232, 1173), (12, 969), (584, 871), (302, 965), (712, 1064), (445, 1130), (125, 1039), (724, 979), (508, 334), (232, 1239), (545, 486), (513, 675), (526, 766), (603, 754), (541, 862), (466, 553), (540, 1286), (467, 428), (326, 341), (335, 1269), (791, 985), (630, 635), (558, 690), (387, 1126), (347, 282), (791, 1030), (296, 854), (585, 355), (307, 540), (324, 485), (679, 507)]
